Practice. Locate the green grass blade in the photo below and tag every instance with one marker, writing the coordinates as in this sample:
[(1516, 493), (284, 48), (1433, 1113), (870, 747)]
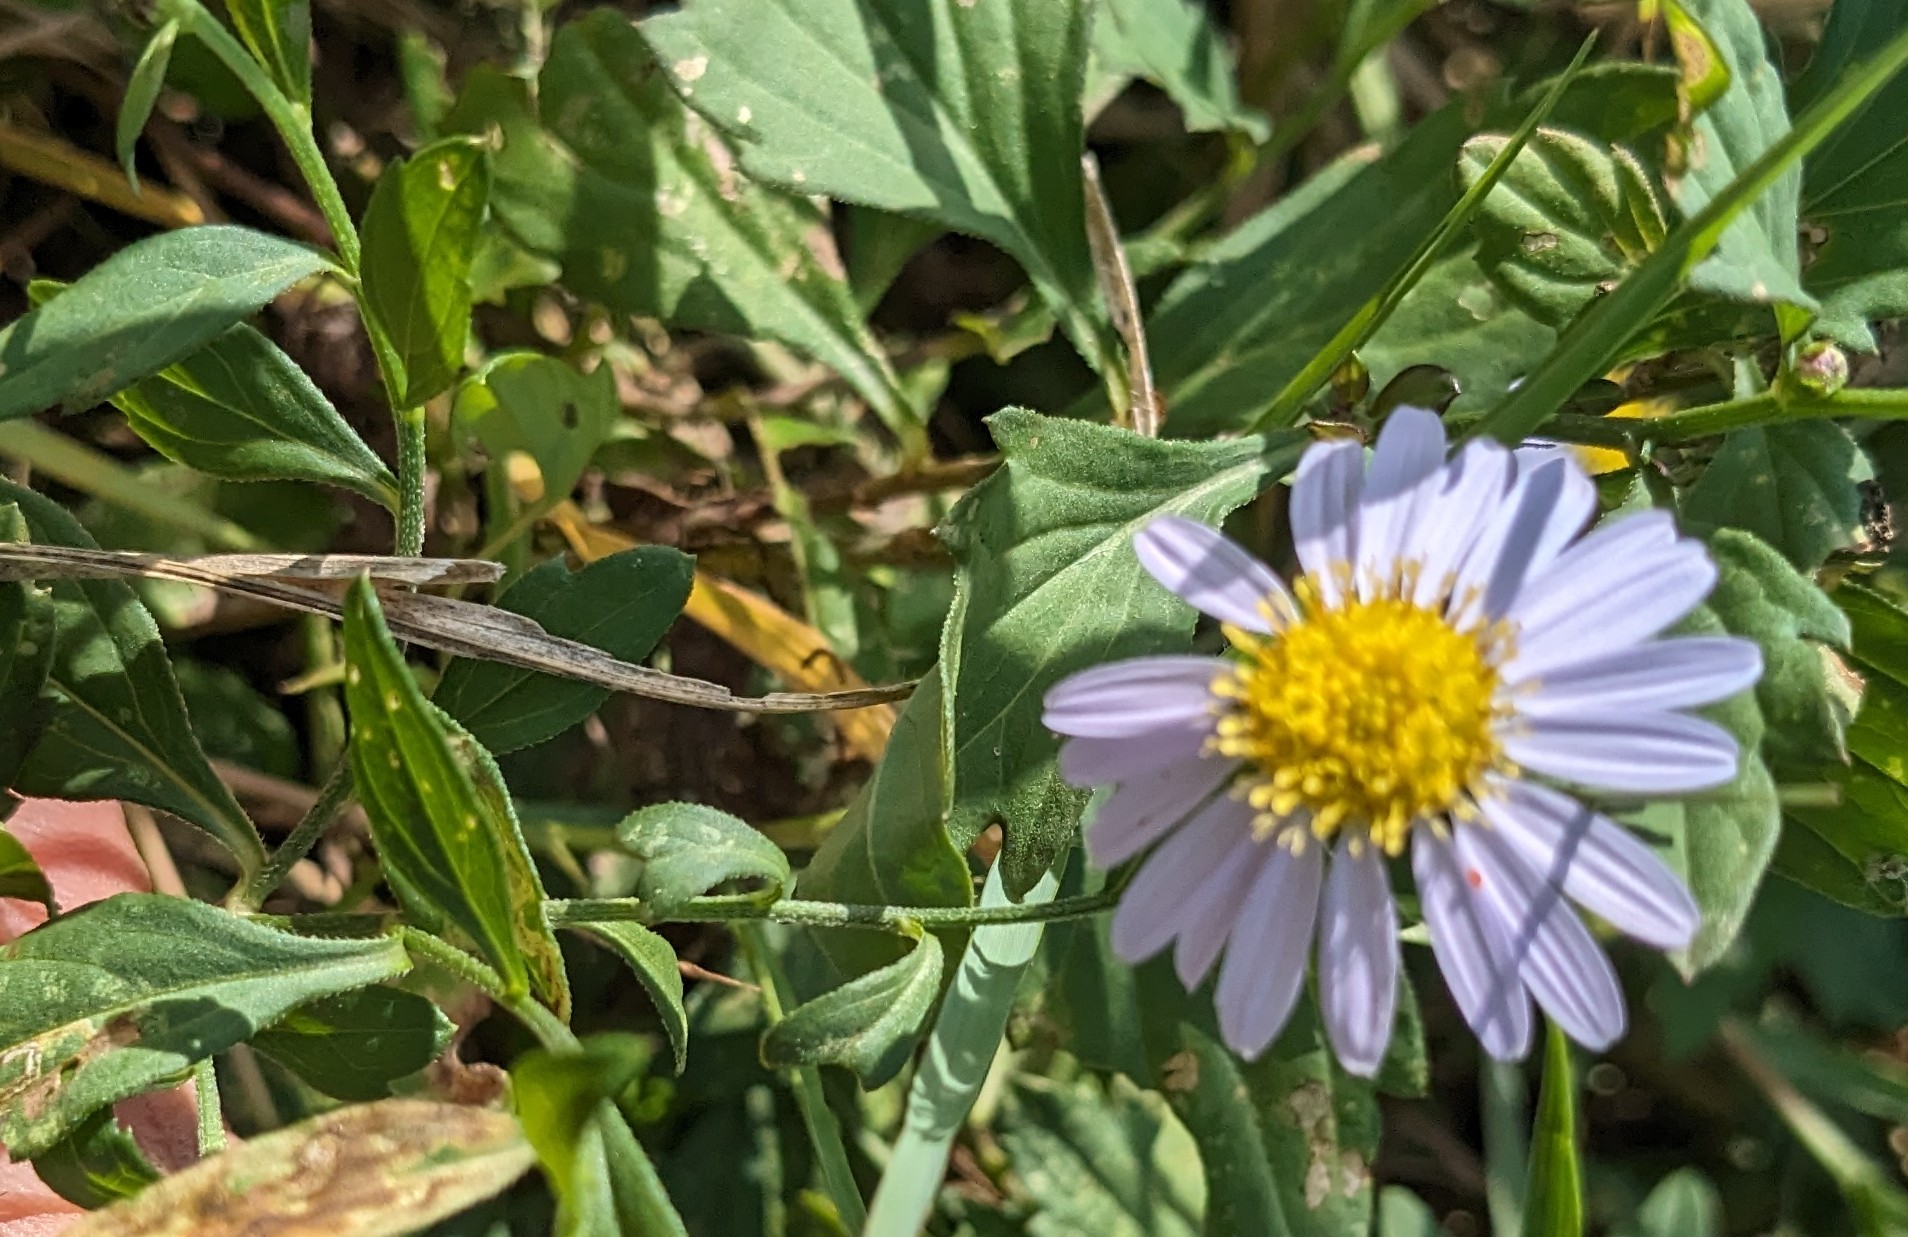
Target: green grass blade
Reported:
[(1553, 1204)]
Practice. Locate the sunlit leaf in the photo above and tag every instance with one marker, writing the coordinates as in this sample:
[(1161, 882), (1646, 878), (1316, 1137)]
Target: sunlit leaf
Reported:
[(869, 1024), (1794, 486), (1553, 1199), (687, 850), (1174, 45), (279, 34)]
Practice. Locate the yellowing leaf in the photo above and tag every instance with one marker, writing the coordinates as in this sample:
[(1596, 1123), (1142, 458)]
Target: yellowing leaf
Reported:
[(1599, 460), (764, 632)]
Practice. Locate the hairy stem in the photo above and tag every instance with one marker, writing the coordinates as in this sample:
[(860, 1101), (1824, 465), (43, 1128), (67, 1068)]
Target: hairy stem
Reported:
[(896, 919)]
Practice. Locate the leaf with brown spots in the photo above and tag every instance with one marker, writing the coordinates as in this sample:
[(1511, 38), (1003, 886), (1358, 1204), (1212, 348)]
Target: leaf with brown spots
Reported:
[(392, 1167)]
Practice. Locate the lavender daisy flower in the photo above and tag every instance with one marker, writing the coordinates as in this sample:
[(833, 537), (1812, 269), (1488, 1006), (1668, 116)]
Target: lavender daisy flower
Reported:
[(1452, 641)]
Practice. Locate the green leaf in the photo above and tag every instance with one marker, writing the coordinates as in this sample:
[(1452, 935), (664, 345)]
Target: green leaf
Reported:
[(353, 1046), (1553, 1199), (654, 963), (419, 234), (396, 1166), (1794, 486), (20, 877), (142, 91), (891, 845), (28, 619), (1047, 584), (1103, 1159), (1613, 100), (1403, 1214), (96, 1165), (964, 114), (525, 401), (128, 993), (1239, 324), (604, 1182), (118, 728), (1866, 1082), (1174, 45), (278, 32), (1759, 595), (240, 410), (439, 813), (1756, 260), (1683, 1204), (621, 604), (1569, 219), (687, 850), (1286, 1142), (1855, 185), (151, 304), (641, 203), (869, 1025), (1458, 319)]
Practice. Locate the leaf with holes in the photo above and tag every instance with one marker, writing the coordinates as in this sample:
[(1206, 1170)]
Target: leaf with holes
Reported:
[(118, 727), (640, 201), (965, 113), (528, 402), (440, 814), (153, 303), (122, 996), (1047, 584), (420, 234)]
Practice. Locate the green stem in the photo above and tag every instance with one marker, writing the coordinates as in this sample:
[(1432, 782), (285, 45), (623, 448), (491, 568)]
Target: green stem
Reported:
[(292, 120), (205, 1091), (332, 797), (1772, 407), (411, 466), (824, 1132), (897, 919)]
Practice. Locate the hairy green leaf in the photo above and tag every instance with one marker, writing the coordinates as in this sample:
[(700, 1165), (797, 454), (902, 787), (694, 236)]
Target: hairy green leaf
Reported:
[(1103, 1159), (869, 1024), (1047, 584), (420, 233), (688, 850), (240, 410), (962, 112), (653, 961), (621, 604), (355, 1045), (151, 304), (641, 203), (1569, 219), (440, 814), (118, 727), (115, 999)]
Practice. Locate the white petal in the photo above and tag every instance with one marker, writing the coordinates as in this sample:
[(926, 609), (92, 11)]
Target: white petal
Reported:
[(1215, 909), (1608, 592), (1141, 811), (1134, 697), (1407, 471), (1544, 508), (1557, 958), (1475, 484), (1677, 673), (1472, 949), (1099, 762), (1358, 958), (1324, 511), (1159, 902), (1265, 964), (1595, 861), (1212, 574), (1629, 753)]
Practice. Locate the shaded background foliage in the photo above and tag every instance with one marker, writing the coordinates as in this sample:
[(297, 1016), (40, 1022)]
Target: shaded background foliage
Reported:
[(716, 314)]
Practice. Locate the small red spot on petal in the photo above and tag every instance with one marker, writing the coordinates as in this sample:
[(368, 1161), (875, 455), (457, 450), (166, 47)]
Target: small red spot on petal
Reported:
[(1475, 877)]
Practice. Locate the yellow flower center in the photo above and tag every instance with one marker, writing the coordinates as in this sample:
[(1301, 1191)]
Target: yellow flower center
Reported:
[(1373, 715)]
